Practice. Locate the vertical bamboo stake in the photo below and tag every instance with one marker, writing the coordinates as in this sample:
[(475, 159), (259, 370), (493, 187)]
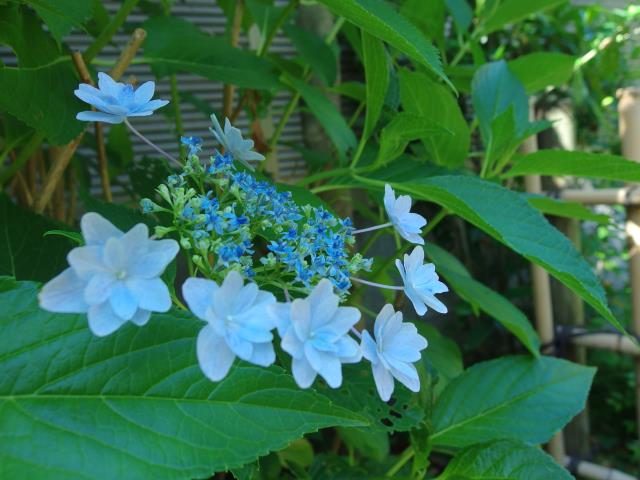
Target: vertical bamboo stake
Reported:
[(229, 90), (629, 123), (541, 287)]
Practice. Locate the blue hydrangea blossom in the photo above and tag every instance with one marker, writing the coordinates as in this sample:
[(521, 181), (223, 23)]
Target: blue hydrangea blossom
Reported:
[(238, 323), (407, 224), (236, 146), (421, 282), (393, 350), (116, 101), (315, 332), (114, 278)]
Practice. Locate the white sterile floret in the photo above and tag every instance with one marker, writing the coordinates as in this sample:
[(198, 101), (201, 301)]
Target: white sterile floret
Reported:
[(114, 278), (233, 143), (421, 282), (315, 332), (238, 323), (396, 347), (407, 224)]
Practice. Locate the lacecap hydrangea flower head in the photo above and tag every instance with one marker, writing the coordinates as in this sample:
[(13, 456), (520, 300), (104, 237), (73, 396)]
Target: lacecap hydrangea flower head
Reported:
[(260, 264)]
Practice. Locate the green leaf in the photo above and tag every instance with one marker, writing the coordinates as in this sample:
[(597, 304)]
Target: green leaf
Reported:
[(560, 208), (25, 252), (379, 19), (503, 459), (119, 146), (443, 354), (461, 13), (369, 442), (405, 127), (61, 15), (174, 45), (315, 52), (422, 96), (327, 114), (22, 31), (519, 398), (579, 164), (376, 71), (75, 237), (135, 404), (354, 90), (489, 301), (507, 216), (121, 216), (540, 70), (511, 11), (42, 97)]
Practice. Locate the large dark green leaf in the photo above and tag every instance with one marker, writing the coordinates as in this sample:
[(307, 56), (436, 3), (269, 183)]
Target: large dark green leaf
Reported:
[(503, 459), (540, 70), (487, 300), (379, 19), (42, 97), (507, 216), (519, 398), (25, 253), (376, 70), (175, 45), (61, 15), (511, 11), (135, 404), (579, 164), (327, 114), (422, 96), (442, 354), (315, 52)]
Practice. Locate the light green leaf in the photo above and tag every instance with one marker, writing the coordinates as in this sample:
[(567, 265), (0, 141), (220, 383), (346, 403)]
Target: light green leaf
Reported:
[(507, 216), (511, 11), (369, 442), (135, 404), (42, 97), (327, 114), (560, 208), (378, 18), (376, 71), (315, 52), (354, 90), (519, 398), (489, 301), (61, 15), (579, 164), (503, 459), (75, 237), (405, 127), (422, 96), (174, 45), (25, 252), (540, 70)]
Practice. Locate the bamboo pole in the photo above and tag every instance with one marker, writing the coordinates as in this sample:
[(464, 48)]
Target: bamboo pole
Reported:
[(541, 287), (629, 124), (629, 195), (591, 471), (62, 161), (229, 89), (611, 341)]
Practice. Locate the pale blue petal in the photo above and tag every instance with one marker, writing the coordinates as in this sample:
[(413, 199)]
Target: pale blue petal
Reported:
[(115, 255), (301, 318), (408, 376), (238, 345), (348, 350), (243, 298), (87, 261), (263, 354), (303, 372), (141, 317), (198, 293), (136, 242), (386, 313), (152, 293), (280, 314), (224, 298), (89, 116), (103, 320), (99, 288), (384, 381), (144, 92), (92, 99), (153, 105), (389, 199), (214, 356), (326, 364), (96, 229), (416, 300), (123, 302), (250, 156), (62, 294), (108, 85), (160, 254), (369, 348), (140, 113), (341, 323), (292, 345)]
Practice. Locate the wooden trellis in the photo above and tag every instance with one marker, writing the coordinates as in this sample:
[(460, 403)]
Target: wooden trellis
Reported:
[(629, 197)]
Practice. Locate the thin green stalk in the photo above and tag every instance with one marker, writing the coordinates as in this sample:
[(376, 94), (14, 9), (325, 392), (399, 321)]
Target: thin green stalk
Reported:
[(356, 114), (109, 31), (404, 458), (21, 159), (324, 175), (264, 48), (338, 186), (175, 99), (358, 153)]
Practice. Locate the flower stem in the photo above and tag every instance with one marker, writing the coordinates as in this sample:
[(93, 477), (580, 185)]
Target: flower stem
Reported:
[(151, 144), (356, 333), (370, 229), (375, 284), (404, 458)]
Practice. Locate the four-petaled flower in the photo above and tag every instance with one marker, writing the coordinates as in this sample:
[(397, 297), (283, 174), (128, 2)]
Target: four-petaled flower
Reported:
[(237, 323), (407, 224), (193, 143), (116, 101), (314, 332), (233, 143), (421, 282), (396, 347), (114, 278)]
